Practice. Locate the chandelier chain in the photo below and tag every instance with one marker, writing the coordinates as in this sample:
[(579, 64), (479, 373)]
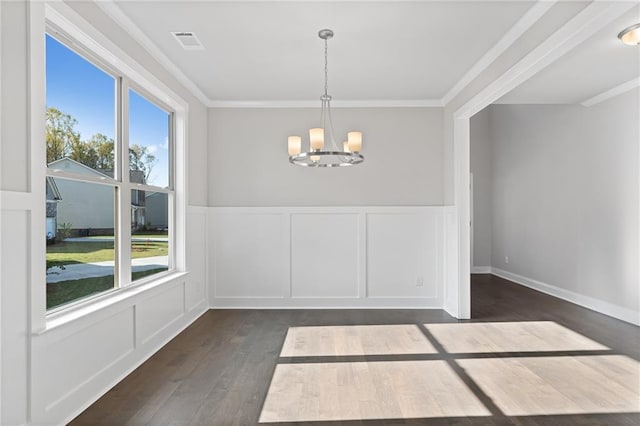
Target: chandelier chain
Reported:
[(326, 68)]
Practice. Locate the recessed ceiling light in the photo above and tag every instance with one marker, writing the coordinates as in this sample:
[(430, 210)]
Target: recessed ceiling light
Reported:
[(188, 40), (630, 35)]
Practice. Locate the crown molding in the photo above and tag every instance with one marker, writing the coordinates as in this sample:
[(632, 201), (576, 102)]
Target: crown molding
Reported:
[(611, 93), (115, 13), (383, 103), (582, 26), (533, 15)]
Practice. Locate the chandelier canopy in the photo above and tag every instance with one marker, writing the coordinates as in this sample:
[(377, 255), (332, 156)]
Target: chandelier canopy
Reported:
[(347, 154)]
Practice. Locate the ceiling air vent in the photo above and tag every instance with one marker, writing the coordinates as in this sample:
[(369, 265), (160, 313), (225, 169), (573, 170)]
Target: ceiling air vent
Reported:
[(188, 40)]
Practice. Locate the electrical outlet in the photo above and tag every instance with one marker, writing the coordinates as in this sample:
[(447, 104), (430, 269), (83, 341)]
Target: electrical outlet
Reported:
[(420, 282), (506, 259)]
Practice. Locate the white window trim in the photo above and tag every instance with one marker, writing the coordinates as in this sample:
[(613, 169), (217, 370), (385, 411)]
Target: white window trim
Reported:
[(144, 82)]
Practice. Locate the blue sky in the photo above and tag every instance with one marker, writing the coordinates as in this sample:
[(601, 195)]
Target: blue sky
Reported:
[(77, 87)]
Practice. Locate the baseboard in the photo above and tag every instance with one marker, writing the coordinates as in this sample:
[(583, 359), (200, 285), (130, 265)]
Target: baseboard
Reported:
[(481, 269), (606, 308), (327, 303)]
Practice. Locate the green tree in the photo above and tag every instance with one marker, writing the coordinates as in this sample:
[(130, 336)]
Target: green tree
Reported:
[(61, 135), (98, 152), (85, 153), (104, 148), (141, 159)]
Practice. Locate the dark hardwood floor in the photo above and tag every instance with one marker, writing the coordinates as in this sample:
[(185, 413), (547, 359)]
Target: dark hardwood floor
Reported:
[(218, 371)]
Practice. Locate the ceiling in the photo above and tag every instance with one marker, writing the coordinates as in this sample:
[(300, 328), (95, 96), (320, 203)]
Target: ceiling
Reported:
[(265, 51), (381, 50), (595, 66)]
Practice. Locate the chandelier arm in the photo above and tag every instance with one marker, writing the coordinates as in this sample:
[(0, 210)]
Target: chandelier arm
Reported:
[(323, 117), (331, 133)]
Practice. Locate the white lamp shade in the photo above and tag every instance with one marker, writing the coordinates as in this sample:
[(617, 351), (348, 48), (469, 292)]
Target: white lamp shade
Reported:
[(315, 157), (345, 146), (295, 145), (316, 138), (355, 141), (630, 35)]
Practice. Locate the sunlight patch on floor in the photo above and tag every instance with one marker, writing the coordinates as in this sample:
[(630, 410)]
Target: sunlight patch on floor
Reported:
[(367, 390), (356, 340), (533, 336), (558, 385)]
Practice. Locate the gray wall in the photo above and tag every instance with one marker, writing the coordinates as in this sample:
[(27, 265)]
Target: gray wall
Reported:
[(14, 155), (565, 190), (249, 165), (482, 193)]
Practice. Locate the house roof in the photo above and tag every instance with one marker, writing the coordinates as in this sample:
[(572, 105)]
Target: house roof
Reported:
[(155, 194), (53, 193), (60, 164), (135, 176)]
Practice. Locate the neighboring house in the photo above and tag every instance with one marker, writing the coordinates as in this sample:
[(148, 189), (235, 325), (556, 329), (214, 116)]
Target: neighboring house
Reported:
[(138, 209), (137, 198), (85, 206), (157, 211), (90, 206), (53, 198)]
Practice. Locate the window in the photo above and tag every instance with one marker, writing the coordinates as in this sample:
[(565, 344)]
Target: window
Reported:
[(149, 159), (109, 177)]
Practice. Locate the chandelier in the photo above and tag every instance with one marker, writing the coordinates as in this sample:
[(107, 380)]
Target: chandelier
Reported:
[(349, 152)]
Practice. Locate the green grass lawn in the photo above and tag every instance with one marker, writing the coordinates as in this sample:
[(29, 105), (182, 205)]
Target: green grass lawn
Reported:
[(67, 253), (68, 291), (158, 235), (149, 235)]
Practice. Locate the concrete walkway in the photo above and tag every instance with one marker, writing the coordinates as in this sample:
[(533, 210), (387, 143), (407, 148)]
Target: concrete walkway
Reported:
[(110, 239), (101, 269)]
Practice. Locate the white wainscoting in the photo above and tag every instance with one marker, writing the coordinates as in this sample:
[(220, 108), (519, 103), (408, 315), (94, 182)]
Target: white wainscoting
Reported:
[(69, 361), (452, 294), (75, 362), (248, 260), (412, 244), (15, 232), (326, 257), (196, 257), (158, 312)]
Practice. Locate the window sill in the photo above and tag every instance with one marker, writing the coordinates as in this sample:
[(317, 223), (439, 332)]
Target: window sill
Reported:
[(93, 305)]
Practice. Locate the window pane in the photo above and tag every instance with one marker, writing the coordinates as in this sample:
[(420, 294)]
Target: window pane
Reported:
[(80, 110), (80, 240), (150, 233), (149, 148)]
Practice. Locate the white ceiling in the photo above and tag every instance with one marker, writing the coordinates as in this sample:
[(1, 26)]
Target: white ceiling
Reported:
[(257, 51), (264, 51), (594, 67)]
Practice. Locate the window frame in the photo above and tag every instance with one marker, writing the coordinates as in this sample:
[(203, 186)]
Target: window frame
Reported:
[(128, 74)]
